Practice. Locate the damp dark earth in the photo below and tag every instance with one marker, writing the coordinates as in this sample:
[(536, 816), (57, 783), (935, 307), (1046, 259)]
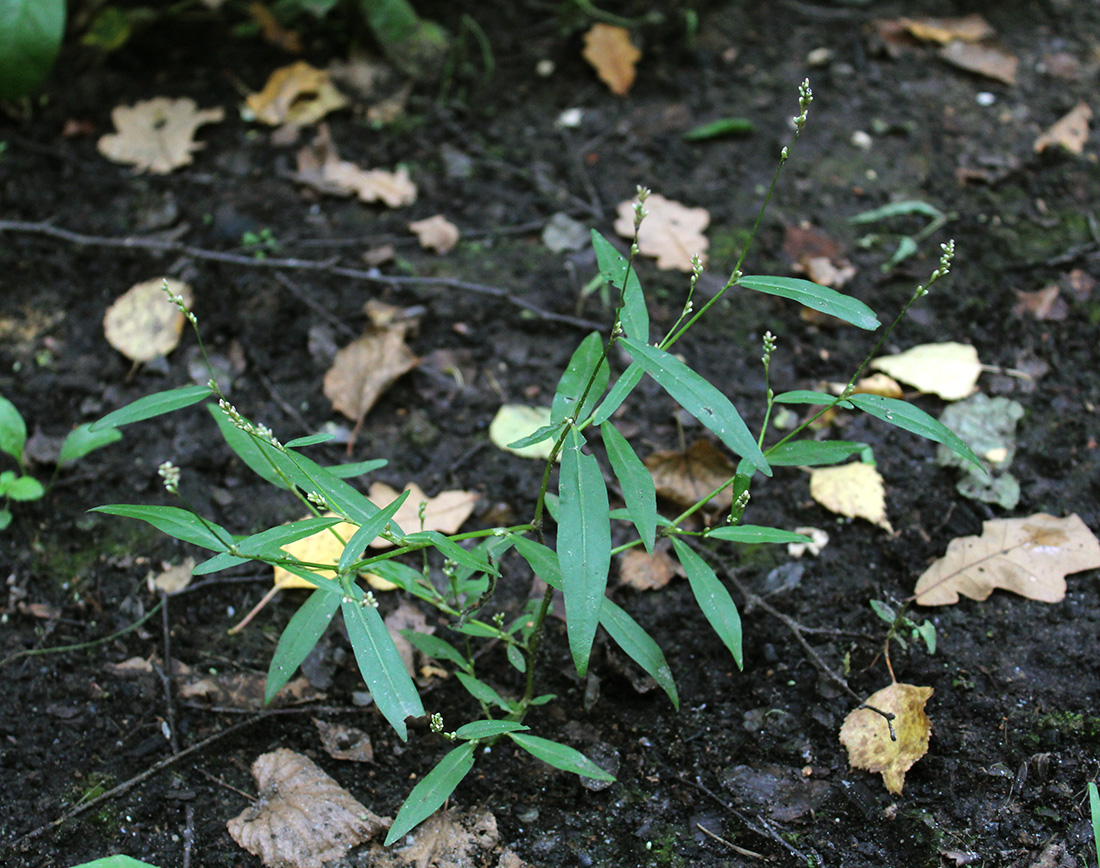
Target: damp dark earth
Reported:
[(140, 739)]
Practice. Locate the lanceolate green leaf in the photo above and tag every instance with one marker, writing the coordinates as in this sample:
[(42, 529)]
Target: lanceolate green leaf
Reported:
[(151, 406), (812, 453), (366, 534), (358, 468), (636, 482), (13, 430), (433, 646), (175, 522), (482, 692), (430, 794), (584, 546), (488, 728), (381, 666), (582, 365), (815, 296), (266, 544), (639, 646), (310, 440), (803, 396), (619, 392), (452, 550), (82, 440), (751, 533), (247, 448), (560, 756), (616, 269), (714, 600), (905, 415), (301, 634), (701, 399)]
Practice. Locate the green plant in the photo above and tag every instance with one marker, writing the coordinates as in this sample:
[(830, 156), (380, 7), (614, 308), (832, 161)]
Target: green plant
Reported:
[(18, 485), (576, 561), (259, 244), (1094, 810), (30, 36)]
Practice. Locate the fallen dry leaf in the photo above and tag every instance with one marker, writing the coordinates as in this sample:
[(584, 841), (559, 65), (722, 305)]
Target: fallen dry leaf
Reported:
[(435, 233), (451, 840), (969, 28), (298, 94), (513, 422), (647, 572), (446, 512), (992, 61), (876, 384), (818, 540), (684, 477), (819, 257), (142, 323), (855, 490), (950, 370), (867, 737), (302, 818), (156, 135), (1043, 304), (1071, 131), (345, 742), (406, 617), (320, 167), (172, 578), (1028, 556), (245, 690), (671, 232), (272, 31), (611, 53)]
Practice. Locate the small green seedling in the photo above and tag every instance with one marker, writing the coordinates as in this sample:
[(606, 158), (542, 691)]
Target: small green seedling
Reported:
[(906, 244), (1094, 809), (259, 244)]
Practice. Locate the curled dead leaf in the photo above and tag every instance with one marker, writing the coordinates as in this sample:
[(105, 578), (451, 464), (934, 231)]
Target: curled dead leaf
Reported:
[(1070, 132), (297, 94), (867, 737)]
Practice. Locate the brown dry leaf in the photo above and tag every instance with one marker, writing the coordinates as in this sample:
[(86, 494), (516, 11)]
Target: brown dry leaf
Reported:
[(684, 477), (1043, 304), (142, 323), (172, 578), (435, 233), (992, 61), (611, 53), (452, 840), (1071, 131), (303, 818), (245, 690), (819, 257), (1028, 556), (345, 742), (671, 232), (647, 572), (969, 28), (320, 167), (364, 369), (298, 94), (950, 369), (406, 617), (272, 31), (156, 135), (867, 737), (446, 512), (876, 384), (855, 490)]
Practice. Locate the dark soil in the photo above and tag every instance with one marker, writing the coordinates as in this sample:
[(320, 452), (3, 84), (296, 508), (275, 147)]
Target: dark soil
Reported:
[(752, 756)]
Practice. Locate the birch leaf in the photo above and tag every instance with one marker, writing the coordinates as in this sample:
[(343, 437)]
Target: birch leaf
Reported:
[(156, 135), (365, 368), (612, 55), (855, 490), (671, 232), (950, 369), (867, 737), (1028, 556)]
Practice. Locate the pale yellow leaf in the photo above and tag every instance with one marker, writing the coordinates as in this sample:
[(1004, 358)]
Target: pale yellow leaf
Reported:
[(302, 818), (611, 53), (173, 578), (1070, 132), (365, 368), (514, 422), (298, 94), (143, 323), (436, 233), (950, 369), (394, 189), (156, 135), (866, 734), (685, 477), (1029, 556), (446, 512), (855, 490), (970, 28), (671, 232)]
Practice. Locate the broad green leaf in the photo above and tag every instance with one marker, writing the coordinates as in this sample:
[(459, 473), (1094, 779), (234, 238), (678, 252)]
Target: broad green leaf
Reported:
[(905, 415), (751, 533), (618, 271), (720, 128), (581, 368), (310, 440), (300, 636), (358, 468), (430, 794), (639, 647), (453, 551), (380, 665), (367, 532), (30, 36), (803, 396), (619, 392), (151, 406), (175, 522), (488, 728), (20, 487), (13, 430), (266, 544), (815, 296), (714, 600), (584, 546), (813, 453), (701, 399), (482, 692), (82, 440), (636, 482), (433, 646), (560, 756)]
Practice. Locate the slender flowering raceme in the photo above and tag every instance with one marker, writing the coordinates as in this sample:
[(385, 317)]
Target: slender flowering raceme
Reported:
[(171, 476)]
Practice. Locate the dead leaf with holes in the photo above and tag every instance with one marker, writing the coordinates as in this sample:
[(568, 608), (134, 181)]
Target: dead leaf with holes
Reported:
[(866, 735), (1070, 132), (345, 742), (614, 57), (950, 369), (302, 818), (1028, 556), (297, 94), (685, 477), (435, 233), (671, 232), (156, 135), (143, 323), (855, 490), (320, 168), (446, 512)]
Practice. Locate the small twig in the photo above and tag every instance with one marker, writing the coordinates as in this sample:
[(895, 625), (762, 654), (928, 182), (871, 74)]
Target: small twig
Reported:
[(219, 781), (750, 853)]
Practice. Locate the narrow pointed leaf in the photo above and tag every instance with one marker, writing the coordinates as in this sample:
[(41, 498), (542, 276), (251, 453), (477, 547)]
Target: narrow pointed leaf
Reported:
[(536, 436), (366, 534), (619, 392), (266, 544), (488, 728), (433, 646), (813, 453), (636, 482), (310, 440), (560, 756), (803, 396), (358, 468), (13, 430), (753, 534), (913, 419), (429, 795), (381, 666), (300, 636), (543, 560), (82, 440), (584, 546), (587, 361), (247, 448), (482, 692), (453, 551), (701, 399), (815, 296), (714, 600), (175, 522), (617, 271), (639, 647), (152, 405)]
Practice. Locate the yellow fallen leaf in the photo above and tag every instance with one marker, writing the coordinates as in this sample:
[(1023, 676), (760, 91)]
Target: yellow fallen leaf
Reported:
[(1070, 132), (1029, 556), (436, 233), (513, 422), (855, 490), (671, 232), (969, 28), (867, 737), (143, 323), (298, 94), (611, 53), (950, 369), (685, 477), (156, 135), (446, 512)]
